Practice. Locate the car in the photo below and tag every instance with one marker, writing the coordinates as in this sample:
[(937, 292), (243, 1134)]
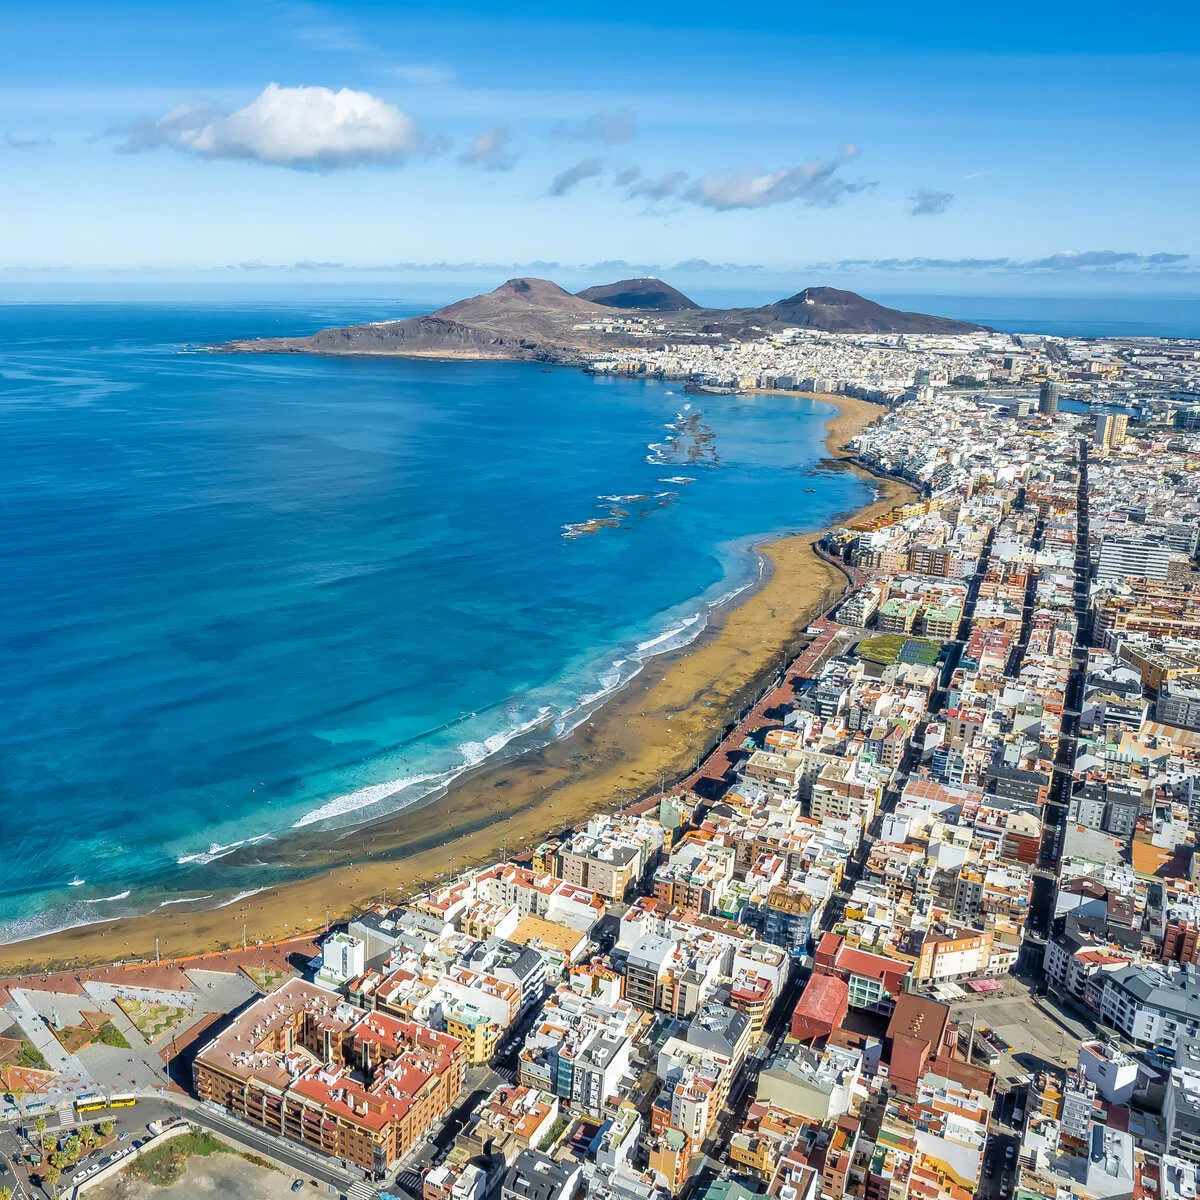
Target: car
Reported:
[(1018, 1115), (125, 1136), (297, 1185), (1009, 1153), (1004, 1191)]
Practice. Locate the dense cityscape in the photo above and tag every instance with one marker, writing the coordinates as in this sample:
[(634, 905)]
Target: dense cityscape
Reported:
[(926, 924)]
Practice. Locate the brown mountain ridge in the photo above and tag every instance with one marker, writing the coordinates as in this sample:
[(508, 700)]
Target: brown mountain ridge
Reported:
[(536, 319)]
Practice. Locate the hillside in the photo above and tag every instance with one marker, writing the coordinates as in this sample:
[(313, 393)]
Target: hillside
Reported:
[(537, 319), (645, 295), (836, 311)]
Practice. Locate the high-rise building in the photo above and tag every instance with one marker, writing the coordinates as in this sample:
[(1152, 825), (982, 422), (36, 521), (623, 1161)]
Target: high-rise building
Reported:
[(1048, 398), (1110, 429)]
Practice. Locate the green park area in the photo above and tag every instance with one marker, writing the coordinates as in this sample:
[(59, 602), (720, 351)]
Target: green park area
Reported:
[(152, 1020)]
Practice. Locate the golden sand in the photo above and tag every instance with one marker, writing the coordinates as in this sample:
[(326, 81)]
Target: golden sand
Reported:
[(655, 729)]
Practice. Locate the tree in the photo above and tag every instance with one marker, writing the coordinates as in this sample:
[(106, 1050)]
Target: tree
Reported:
[(107, 1128), (5, 1192), (51, 1175), (40, 1126), (18, 1095)]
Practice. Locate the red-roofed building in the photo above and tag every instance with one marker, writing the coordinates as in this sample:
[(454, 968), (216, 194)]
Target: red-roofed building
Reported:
[(821, 1009), (918, 1033), (362, 1086), (874, 980)]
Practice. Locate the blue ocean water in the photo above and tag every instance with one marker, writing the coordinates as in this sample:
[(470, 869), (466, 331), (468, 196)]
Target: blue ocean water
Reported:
[(241, 595)]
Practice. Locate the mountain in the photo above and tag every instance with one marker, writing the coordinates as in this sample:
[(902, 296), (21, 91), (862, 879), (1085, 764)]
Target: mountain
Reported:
[(646, 295), (522, 318), (537, 319), (836, 311)]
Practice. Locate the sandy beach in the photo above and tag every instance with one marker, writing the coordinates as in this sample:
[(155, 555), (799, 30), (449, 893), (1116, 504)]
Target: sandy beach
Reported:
[(653, 730)]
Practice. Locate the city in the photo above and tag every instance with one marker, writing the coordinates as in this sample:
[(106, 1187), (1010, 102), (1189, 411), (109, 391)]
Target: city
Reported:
[(926, 923)]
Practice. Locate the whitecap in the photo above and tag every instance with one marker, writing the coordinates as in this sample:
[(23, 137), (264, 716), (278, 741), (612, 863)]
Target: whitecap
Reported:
[(241, 896), (215, 851), (669, 638), (364, 797), (105, 899), (475, 752), (77, 882), (186, 900)]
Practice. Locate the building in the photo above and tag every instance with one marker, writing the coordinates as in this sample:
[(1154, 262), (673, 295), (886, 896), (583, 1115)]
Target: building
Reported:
[(1048, 398), (1181, 1105), (821, 1008), (1113, 1072), (1152, 1006), (349, 1084), (534, 1176), (816, 1085), (512, 1119), (1124, 557), (1111, 429), (1179, 705), (343, 957)]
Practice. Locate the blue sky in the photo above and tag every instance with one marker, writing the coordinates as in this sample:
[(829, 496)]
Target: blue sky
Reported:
[(1041, 147)]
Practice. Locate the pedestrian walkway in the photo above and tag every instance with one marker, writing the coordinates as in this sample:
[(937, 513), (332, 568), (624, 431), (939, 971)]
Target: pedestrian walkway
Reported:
[(104, 993), (73, 1074)]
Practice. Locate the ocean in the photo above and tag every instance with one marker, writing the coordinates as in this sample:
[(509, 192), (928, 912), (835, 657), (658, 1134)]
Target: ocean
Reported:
[(242, 596)]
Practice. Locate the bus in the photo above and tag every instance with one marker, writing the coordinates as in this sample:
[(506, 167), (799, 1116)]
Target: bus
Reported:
[(93, 1102)]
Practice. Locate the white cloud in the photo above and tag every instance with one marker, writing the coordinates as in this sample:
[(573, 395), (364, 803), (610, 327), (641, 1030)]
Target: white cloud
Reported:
[(817, 184), (490, 150), (303, 127)]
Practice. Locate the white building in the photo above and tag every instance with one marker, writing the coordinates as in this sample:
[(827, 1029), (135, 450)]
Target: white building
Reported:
[(343, 956), (1113, 1072)]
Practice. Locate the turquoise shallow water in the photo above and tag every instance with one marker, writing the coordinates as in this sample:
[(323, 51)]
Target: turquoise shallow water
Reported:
[(243, 595)]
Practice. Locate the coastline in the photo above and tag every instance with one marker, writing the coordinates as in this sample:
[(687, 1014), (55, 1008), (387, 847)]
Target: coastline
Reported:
[(653, 729)]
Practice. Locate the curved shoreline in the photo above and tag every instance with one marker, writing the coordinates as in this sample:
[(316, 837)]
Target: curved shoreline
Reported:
[(653, 729)]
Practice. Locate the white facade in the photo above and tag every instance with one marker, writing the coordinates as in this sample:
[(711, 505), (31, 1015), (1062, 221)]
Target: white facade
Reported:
[(1113, 1072), (343, 956)]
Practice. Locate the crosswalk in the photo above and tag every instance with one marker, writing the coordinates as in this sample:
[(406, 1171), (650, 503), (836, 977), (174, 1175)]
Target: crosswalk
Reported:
[(361, 1191), (411, 1181)]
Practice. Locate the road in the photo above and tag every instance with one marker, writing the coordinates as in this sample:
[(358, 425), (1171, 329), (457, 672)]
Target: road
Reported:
[(130, 1122), (1054, 812)]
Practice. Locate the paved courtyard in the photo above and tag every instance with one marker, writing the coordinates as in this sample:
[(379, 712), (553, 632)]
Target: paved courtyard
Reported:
[(1037, 1039)]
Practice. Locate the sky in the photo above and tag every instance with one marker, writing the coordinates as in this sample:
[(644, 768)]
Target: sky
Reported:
[(1027, 147)]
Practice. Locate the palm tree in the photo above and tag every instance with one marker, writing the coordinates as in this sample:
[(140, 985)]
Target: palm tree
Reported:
[(40, 1126)]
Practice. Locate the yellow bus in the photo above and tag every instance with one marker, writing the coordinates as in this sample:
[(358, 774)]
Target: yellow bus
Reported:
[(95, 1103)]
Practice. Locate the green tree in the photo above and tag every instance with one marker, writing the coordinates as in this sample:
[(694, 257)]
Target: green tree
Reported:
[(51, 1175), (5, 1192), (107, 1128), (40, 1126)]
